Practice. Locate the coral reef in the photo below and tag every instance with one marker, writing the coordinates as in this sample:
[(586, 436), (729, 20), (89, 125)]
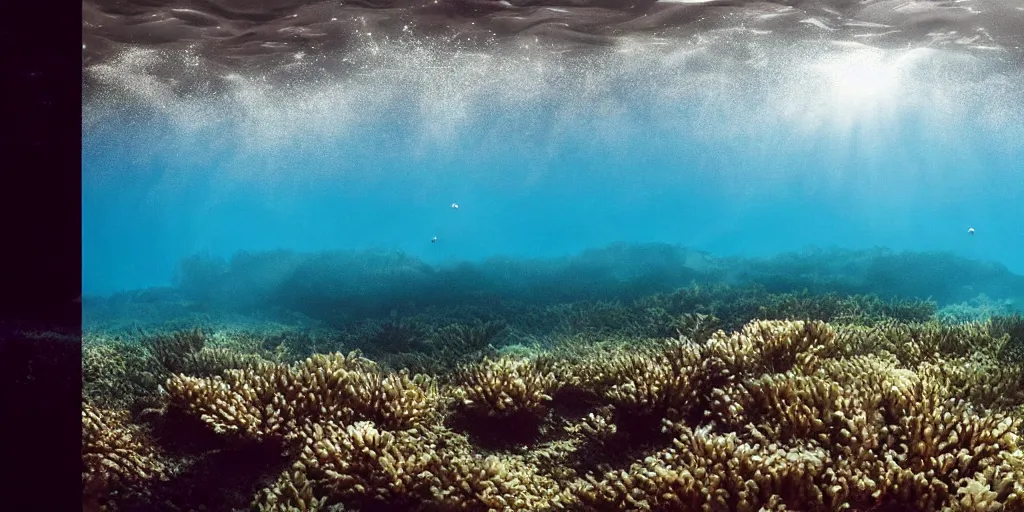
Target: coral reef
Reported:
[(1012, 328), (788, 427), (362, 465), (371, 284), (419, 346), (126, 373), (116, 375), (506, 387), (116, 457), (978, 309), (866, 412), (277, 401)]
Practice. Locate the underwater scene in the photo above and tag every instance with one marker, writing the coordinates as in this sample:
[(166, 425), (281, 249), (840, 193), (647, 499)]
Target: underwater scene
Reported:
[(586, 255)]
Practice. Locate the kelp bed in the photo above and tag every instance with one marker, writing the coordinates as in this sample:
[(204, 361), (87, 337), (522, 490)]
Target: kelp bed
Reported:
[(885, 414)]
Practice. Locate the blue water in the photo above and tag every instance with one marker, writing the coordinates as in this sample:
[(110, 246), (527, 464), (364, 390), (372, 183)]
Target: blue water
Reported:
[(539, 179)]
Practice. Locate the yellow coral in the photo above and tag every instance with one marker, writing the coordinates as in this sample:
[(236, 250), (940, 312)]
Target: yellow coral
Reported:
[(779, 415), (274, 400), (115, 456), (505, 387)]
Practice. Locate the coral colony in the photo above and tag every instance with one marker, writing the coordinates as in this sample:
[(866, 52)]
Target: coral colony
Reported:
[(878, 409)]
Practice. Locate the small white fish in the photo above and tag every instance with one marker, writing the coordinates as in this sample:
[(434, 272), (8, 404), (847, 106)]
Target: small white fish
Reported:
[(455, 206), (433, 240), (970, 231)]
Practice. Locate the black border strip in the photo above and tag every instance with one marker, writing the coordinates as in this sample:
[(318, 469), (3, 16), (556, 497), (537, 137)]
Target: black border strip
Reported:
[(40, 277)]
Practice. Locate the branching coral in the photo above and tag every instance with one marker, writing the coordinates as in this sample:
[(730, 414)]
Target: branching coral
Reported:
[(383, 337), (913, 344), (705, 470), (778, 415), (814, 446), (812, 432), (116, 374), (173, 350), (596, 427), (292, 492), (678, 378), (984, 382), (188, 352), (272, 401), (214, 361), (115, 456), (468, 338), (772, 346), (506, 387), (733, 307), (127, 375), (427, 345), (662, 384), (451, 346), (433, 467), (1011, 329)]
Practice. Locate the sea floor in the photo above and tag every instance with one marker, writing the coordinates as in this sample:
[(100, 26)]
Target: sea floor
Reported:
[(714, 399)]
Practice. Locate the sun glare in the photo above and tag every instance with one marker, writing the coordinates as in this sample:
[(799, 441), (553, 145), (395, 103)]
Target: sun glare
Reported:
[(862, 78)]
